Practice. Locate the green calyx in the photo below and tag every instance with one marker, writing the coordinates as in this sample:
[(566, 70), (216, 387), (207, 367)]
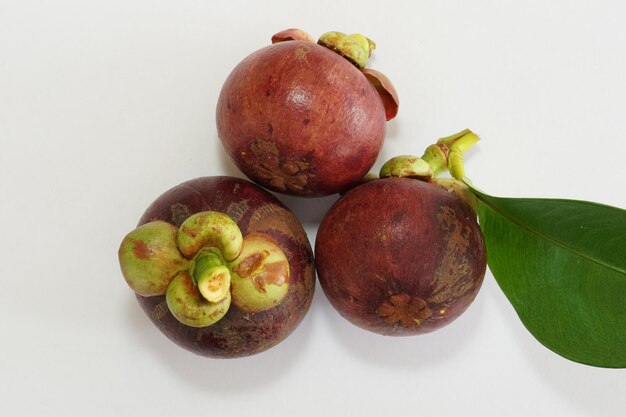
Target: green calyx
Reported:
[(193, 266), (260, 278), (190, 307), (149, 258), (210, 229), (406, 166), (446, 155), (211, 275), (356, 48)]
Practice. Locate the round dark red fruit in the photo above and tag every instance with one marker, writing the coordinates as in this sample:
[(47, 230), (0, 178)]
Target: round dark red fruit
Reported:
[(399, 256), (255, 211), (300, 119)]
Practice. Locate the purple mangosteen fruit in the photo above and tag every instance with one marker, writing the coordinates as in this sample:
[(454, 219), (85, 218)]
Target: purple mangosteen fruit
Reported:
[(220, 266), (306, 118), (404, 254)]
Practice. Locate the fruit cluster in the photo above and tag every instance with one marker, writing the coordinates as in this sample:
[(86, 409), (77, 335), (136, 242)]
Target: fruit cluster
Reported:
[(224, 269)]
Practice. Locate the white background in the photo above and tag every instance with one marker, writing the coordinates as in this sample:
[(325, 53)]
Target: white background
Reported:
[(104, 105)]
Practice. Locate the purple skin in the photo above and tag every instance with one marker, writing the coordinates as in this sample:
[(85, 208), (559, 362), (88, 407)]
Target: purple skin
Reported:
[(300, 119), (399, 256), (254, 210)]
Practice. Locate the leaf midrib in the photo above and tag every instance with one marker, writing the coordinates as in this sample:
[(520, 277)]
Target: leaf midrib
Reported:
[(549, 238)]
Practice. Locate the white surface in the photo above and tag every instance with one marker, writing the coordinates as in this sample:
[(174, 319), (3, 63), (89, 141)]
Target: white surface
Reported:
[(106, 104)]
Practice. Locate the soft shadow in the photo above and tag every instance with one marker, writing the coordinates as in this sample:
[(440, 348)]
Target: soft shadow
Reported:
[(310, 211), (420, 351), (235, 375), (599, 391)]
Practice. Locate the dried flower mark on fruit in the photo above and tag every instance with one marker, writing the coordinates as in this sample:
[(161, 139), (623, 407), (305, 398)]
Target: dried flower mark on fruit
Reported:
[(408, 311), (282, 173)]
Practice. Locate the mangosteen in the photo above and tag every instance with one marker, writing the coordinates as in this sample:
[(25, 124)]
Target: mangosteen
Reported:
[(404, 254), (303, 118), (220, 266)]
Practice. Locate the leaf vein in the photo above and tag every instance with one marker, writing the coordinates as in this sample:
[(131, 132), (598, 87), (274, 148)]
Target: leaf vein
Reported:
[(547, 237)]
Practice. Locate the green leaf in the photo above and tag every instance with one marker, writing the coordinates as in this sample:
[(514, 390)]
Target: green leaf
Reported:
[(562, 265)]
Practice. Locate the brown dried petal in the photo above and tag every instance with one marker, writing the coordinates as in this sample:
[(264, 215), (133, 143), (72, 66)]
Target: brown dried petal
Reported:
[(399, 300), (385, 310), (294, 187), (385, 89), (290, 167), (291, 35), (408, 311), (278, 183)]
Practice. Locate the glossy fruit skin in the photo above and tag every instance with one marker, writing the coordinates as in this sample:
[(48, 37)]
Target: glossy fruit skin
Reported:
[(300, 119), (254, 210), (397, 237)]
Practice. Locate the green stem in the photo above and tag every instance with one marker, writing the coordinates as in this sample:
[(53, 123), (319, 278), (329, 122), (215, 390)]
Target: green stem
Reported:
[(435, 156), (211, 275), (206, 260), (457, 138), (457, 148), (447, 153)]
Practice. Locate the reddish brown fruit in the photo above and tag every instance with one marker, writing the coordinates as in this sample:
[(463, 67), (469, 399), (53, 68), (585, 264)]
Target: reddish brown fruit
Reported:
[(300, 119), (399, 256), (255, 211)]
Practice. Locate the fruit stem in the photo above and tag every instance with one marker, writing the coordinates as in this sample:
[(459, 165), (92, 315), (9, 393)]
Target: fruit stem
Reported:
[(447, 153), (435, 156), (406, 166), (457, 147)]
